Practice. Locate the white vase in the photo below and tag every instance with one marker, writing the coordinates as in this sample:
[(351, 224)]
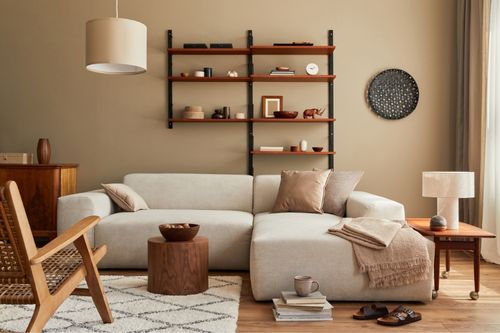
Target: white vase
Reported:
[(303, 145)]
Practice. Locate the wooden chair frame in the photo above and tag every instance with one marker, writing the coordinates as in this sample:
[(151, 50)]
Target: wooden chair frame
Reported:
[(32, 260)]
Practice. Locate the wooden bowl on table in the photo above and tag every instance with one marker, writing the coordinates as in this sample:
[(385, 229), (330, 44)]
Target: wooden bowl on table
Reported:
[(286, 114), (179, 232)]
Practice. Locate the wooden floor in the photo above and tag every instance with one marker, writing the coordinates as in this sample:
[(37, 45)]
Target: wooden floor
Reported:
[(452, 311)]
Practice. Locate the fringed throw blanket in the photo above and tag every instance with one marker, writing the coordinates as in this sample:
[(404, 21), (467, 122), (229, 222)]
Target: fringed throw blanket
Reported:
[(391, 252)]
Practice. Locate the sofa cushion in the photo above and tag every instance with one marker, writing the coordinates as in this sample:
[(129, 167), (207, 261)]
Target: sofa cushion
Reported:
[(126, 236), (265, 192), (193, 191), (339, 186), (125, 197), (301, 191)]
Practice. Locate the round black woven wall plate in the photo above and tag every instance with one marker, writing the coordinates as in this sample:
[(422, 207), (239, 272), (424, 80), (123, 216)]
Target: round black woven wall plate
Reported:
[(393, 94)]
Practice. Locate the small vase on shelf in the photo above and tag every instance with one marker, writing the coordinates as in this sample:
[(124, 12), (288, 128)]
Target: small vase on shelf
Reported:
[(43, 151)]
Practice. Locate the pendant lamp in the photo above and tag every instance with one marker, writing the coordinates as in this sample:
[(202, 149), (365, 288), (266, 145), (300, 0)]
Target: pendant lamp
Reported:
[(116, 45)]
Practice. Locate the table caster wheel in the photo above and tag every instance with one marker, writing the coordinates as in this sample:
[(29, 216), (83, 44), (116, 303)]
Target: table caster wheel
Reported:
[(445, 274), (435, 294), (474, 295)]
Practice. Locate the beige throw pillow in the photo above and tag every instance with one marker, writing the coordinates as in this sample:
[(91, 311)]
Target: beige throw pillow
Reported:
[(338, 188), (301, 191), (125, 197)]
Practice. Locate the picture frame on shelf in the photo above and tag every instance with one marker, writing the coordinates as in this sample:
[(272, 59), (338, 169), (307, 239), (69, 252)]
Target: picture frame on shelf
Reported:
[(271, 104)]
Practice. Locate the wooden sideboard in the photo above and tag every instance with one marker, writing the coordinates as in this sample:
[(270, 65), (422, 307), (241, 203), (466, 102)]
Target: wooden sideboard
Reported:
[(40, 187)]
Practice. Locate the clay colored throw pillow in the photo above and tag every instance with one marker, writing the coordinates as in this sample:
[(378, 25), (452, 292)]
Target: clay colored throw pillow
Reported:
[(338, 188), (125, 197), (301, 191)]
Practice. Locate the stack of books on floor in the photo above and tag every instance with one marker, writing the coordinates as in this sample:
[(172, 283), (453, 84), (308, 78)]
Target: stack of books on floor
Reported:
[(281, 72), (264, 148), (291, 307)]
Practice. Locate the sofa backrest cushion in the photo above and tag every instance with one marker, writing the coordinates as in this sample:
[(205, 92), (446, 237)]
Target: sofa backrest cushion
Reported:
[(193, 191), (266, 189)]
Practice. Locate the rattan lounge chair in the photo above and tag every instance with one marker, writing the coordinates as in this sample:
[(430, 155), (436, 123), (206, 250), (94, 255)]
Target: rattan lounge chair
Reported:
[(46, 276)]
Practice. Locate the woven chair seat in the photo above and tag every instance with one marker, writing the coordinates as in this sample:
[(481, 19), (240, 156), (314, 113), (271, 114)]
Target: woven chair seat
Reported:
[(56, 268)]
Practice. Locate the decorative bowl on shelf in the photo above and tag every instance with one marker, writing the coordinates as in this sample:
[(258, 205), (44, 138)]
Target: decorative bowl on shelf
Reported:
[(179, 232), (317, 149), (286, 114)]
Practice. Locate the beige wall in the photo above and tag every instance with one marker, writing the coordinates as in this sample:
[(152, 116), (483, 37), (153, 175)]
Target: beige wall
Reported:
[(114, 125)]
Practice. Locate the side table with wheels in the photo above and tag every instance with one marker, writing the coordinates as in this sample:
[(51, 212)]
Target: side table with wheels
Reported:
[(467, 237)]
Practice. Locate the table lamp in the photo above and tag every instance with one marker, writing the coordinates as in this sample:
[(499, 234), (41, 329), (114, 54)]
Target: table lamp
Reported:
[(447, 187)]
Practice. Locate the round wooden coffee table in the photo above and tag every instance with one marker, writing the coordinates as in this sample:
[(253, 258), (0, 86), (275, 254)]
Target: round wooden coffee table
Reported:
[(177, 268)]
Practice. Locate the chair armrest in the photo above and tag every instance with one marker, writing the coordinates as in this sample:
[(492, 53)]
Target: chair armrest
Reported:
[(362, 204), (65, 239), (72, 208)]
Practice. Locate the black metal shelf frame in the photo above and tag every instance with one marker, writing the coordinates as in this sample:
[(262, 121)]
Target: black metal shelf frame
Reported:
[(250, 104)]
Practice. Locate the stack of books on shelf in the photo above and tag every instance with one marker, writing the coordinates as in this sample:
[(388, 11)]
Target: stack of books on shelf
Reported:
[(264, 148), (291, 307)]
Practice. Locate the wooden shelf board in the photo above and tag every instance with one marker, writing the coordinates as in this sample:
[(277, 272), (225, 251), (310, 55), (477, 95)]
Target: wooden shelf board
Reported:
[(292, 78), (258, 152), (209, 51), (269, 49), (207, 120), (295, 120), (209, 79)]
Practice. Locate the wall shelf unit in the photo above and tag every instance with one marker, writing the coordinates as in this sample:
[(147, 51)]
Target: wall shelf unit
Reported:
[(250, 79)]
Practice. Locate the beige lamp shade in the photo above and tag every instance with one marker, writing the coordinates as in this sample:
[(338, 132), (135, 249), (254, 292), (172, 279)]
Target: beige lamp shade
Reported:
[(448, 184), (116, 46), (447, 187)]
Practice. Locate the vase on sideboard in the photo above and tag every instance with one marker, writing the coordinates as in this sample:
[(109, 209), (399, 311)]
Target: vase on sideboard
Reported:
[(43, 151)]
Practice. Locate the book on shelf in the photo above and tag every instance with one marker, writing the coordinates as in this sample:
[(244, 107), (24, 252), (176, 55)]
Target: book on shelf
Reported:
[(267, 148), (278, 72), (291, 297)]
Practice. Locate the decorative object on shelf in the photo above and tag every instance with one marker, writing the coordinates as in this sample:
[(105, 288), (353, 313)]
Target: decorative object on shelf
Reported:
[(221, 45), (179, 232), (312, 69), (438, 223), (294, 44), (393, 94), (116, 45), (447, 187), (184, 74), (226, 110), (294, 148), (271, 104), (43, 151), (240, 115), (193, 112), (207, 71), (303, 145), (195, 46), (218, 114), (286, 114), (310, 113), (16, 158), (317, 149), (232, 73), (199, 73), (282, 70)]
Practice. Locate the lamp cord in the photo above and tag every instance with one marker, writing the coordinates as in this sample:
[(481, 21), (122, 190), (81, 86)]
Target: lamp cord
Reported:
[(116, 8)]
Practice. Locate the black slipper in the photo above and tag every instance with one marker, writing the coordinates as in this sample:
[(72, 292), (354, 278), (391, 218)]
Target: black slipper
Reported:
[(400, 316), (371, 311)]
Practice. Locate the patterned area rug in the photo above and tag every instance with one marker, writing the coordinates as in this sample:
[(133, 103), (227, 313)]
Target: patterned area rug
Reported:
[(137, 310)]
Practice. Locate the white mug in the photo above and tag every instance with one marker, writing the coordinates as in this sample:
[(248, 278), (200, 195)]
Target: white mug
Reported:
[(199, 73)]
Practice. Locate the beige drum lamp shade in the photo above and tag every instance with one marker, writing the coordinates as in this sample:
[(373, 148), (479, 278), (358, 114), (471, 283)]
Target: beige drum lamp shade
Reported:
[(447, 187), (116, 46)]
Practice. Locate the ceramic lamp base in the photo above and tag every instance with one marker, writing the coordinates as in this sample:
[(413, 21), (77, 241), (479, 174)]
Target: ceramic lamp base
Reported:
[(448, 208)]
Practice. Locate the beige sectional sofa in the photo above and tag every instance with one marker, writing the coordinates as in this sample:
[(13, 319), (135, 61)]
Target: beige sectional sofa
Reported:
[(233, 211)]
